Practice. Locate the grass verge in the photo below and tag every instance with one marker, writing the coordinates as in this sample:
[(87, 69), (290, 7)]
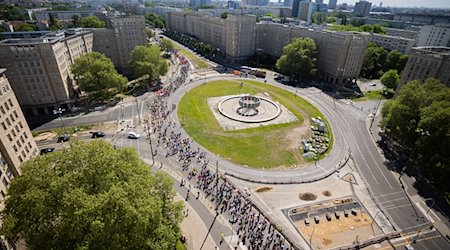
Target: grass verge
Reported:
[(198, 62)]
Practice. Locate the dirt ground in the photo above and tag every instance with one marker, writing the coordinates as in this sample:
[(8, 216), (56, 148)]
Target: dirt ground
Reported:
[(51, 135), (338, 232)]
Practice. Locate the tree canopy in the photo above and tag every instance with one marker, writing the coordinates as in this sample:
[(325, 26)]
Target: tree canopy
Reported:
[(54, 23), (148, 61), (390, 79), (96, 75), (149, 33), (395, 60), (155, 20), (27, 27), (92, 22), (418, 119), (91, 196), (166, 44), (299, 59), (374, 61)]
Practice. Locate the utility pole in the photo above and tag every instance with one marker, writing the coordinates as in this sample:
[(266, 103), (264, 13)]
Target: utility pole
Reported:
[(59, 111), (149, 135)]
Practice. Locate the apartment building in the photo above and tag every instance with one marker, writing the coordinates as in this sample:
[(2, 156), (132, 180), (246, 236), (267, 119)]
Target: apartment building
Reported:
[(340, 54), (406, 33), (434, 35), (401, 44), (119, 38), (234, 36), (426, 62), (362, 8), (39, 68), (16, 142), (63, 15)]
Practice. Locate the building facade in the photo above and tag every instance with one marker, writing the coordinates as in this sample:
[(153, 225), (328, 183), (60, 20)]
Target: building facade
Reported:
[(16, 141), (340, 54), (362, 8), (332, 4), (307, 9), (39, 68), (434, 35), (119, 38), (233, 36), (426, 62), (66, 15), (401, 44), (406, 33)]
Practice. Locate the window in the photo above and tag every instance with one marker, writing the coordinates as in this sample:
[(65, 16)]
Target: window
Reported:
[(4, 125), (5, 182)]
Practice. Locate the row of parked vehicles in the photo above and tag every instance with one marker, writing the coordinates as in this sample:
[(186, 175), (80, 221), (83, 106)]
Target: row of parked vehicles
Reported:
[(66, 138)]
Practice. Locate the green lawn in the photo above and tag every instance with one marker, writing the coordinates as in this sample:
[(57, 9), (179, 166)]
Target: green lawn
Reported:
[(198, 62), (262, 147), (370, 95)]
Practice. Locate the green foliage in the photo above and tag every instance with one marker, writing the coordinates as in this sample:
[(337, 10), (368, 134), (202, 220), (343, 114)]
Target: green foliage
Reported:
[(76, 21), (91, 196), (376, 28), (299, 59), (27, 27), (11, 13), (224, 15), (395, 60), (390, 79), (155, 20), (419, 108), (166, 44), (54, 23), (319, 17), (150, 33), (374, 61), (92, 22), (95, 74), (148, 61)]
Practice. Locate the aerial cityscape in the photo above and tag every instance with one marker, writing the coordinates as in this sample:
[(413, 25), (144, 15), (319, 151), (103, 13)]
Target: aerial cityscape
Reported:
[(211, 124)]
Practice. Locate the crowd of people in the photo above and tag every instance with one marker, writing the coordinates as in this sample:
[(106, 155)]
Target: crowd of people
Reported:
[(254, 230)]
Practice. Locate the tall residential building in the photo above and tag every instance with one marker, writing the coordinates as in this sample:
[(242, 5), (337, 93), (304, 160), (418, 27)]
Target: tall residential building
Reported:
[(434, 35), (340, 54), (233, 36), (119, 38), (426, 62), (332, 4), (199, 3), (307, 8), (296, 7), (401, 44), (16, 142), (362, 8), (39, 68)]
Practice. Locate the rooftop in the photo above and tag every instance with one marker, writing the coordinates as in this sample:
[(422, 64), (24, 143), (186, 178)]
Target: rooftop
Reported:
[(51, 37), (437, 50)]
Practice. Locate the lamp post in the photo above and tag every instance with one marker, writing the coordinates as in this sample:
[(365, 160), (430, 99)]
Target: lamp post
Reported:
[(59, 111), (149, 137)]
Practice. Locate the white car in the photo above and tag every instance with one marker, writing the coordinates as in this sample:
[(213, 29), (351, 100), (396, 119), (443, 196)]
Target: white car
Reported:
[(133, 135)]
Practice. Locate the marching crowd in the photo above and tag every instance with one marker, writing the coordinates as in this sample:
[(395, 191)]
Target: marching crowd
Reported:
[(253, 229)]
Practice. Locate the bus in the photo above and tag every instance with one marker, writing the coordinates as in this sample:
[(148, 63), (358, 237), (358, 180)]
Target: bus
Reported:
[(253, 71)]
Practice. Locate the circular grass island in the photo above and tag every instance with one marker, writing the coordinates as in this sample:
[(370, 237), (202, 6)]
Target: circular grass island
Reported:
[(275, 144)]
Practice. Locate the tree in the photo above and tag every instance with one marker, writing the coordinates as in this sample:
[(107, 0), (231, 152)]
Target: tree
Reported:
[(166, 45), (27, 27), (148, 61), (76, 20), (224, 15), (374, 59), (319, 17), (418, 108), (54, 23), (155, 20), (299, 59), (92, 22), (395, 60), (390, 79), (149, 33), (96, 75), (91, 196)]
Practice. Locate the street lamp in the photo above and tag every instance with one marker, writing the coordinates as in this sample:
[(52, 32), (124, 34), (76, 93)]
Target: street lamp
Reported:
[(59, 111), (149, 137)]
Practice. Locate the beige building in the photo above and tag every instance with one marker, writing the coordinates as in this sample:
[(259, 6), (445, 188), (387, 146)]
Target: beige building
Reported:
[(434, 35), (426, 62), (39, 68), (16, 142), (340, 54), (401, 44), (234, 36), (119, 38), (412, 34)]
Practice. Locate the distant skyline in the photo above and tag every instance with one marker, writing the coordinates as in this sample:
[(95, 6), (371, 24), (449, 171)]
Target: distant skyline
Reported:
[(399, 3)]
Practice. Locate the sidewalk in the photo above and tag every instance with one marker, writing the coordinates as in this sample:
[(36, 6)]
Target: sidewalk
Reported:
[(194, 229)]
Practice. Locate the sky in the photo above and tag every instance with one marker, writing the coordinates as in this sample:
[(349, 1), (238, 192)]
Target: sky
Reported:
[(400, 3)]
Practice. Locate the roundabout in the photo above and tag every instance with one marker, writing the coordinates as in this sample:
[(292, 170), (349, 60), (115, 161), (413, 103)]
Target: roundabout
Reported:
[(255, 125)]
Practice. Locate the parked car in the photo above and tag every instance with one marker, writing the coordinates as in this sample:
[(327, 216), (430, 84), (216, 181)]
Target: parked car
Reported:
[(47, 150), (133, 135), (97, 134), (63, 138)]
